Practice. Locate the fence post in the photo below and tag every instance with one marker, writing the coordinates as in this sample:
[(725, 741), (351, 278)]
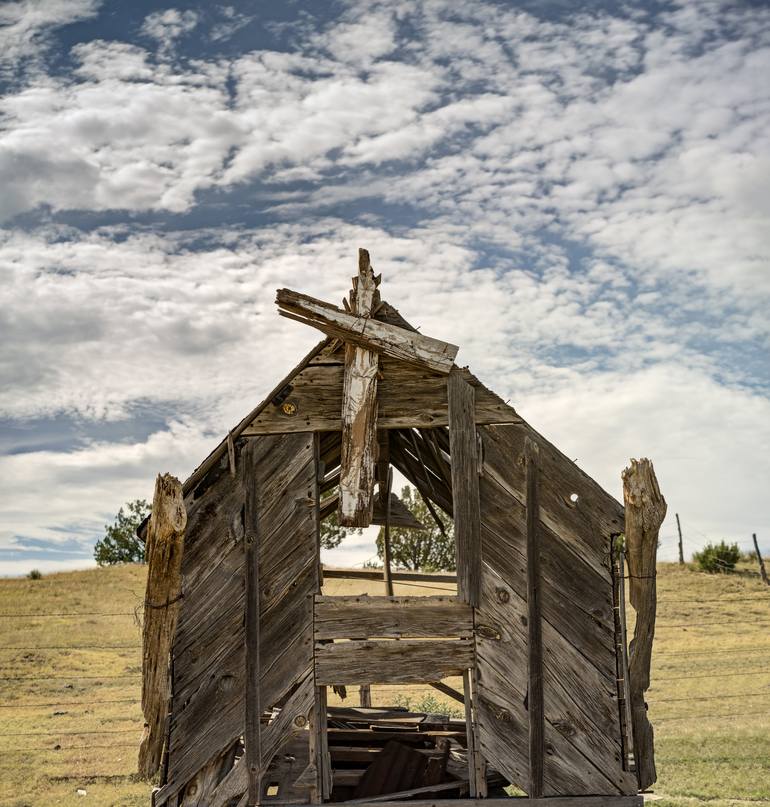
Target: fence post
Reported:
[(762, 569), (681, 550)]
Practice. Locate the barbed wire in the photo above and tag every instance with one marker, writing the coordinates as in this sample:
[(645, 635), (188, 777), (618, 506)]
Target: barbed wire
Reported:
[(66, 703), (65, 614), (67, 733), (66, 677), (133, 646), (712, 675)]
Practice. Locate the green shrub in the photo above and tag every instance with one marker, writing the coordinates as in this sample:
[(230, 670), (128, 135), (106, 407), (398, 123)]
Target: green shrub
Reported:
[(35, 574), (720, 557), (430, 705)]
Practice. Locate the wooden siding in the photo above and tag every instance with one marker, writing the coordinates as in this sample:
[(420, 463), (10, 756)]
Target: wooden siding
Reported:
[(209, 661), (407, 396)]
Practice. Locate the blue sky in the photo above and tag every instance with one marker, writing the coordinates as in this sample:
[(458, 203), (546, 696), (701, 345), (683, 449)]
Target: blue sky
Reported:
[(577, 194)]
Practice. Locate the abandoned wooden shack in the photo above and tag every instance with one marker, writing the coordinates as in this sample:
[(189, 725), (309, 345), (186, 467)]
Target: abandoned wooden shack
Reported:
[(241, 644)]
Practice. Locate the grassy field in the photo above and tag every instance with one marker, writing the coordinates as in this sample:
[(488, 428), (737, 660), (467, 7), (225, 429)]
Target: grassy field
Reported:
[(70, 719)]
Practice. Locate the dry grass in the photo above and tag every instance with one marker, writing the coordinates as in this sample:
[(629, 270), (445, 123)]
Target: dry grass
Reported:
[(701, 756)]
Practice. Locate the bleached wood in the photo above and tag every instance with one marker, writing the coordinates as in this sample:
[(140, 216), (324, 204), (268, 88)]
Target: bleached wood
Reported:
[(645, 511), (391, 662), (391, 617), (424, 351), (163, 551), (359, 410)]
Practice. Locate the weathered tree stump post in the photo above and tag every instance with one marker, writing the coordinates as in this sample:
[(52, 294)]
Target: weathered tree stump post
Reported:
[(645, 511), (163, 553)]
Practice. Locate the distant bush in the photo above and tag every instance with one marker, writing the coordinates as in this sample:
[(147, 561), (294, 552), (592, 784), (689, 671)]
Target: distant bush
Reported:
[(720, 557), (35, 574)]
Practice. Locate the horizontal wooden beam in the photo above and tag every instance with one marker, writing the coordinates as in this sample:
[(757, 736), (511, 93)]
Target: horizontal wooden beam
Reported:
[(391, 617), (390, 662), (376, 574), (368, 333), (513, 801)]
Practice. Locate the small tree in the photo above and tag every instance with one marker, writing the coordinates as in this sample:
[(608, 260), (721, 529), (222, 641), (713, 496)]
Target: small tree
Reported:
[(121, 543), (720, 557), (428, 549)]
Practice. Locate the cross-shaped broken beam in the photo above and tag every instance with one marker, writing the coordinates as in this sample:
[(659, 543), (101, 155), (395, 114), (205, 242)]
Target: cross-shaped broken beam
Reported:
[(365, 339)]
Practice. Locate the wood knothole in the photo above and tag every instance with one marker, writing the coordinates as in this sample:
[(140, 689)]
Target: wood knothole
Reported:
[(573, 499)]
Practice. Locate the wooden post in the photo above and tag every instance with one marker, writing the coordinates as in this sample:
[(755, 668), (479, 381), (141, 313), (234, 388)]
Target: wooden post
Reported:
[(762, 569), (645, 511), (477, 780), (359, 409), (681, 549), (628, 739), (319, 747), (463, 450), (252, 734), (163, 552), (535, 700), (386, 560)]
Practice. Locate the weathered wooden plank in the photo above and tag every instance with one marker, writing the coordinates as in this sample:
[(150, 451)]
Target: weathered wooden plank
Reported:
[(163, 551), (476, 766), (391, 617), (407, 397), (575, 596), (359, 409), (536, 704), (391, 662), (645, 511), (572, 505), (574, 745), (376, 574), (210, 664), (465, 487), (516, 801), (253, 717), (414, 348), (319, 746)]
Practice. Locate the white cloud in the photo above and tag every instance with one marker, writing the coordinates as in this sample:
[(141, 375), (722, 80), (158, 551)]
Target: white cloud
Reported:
[(26, 25), (169, 25)]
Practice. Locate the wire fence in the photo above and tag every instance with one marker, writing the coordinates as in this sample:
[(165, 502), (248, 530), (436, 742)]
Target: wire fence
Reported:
[(394, 692)]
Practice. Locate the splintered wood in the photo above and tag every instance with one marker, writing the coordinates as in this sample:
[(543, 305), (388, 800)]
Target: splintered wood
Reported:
[(359, 409), (645, 511), (163, 551), (358, 329)]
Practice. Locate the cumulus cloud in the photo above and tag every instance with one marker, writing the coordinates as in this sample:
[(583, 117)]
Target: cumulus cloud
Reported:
[(26, 26), (169, 25)]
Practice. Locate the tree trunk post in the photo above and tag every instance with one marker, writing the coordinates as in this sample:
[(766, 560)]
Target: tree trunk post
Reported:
[(645, 511), (163, 551)]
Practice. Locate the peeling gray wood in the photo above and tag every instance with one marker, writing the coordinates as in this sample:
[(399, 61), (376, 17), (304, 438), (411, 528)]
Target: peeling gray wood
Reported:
[(369, 333), (359, 410)]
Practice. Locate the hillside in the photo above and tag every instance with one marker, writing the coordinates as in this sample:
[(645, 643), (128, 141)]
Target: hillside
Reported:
[(70, 718)]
